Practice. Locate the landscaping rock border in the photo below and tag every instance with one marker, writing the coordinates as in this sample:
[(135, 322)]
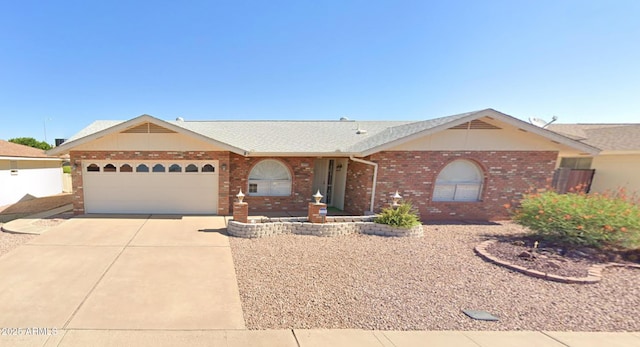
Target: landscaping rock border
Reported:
[(594, 272), (337, 227)]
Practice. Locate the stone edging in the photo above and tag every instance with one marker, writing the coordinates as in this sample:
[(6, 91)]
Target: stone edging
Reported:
[(254, 230), (594, 271)]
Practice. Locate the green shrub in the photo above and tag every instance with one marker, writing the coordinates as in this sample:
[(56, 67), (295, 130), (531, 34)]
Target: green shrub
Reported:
[(579, 219), (402, 216)]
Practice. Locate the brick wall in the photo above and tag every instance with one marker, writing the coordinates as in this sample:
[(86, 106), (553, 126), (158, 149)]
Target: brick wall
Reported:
[(301, 170), (507, 175), (413, 173), (77, 158), (357, 195)]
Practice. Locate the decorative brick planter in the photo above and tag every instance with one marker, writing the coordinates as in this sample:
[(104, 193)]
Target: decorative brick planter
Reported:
[(335, 226)]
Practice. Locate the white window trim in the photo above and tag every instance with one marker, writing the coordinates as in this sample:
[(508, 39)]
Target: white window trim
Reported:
[(456, 186), (266, 186)]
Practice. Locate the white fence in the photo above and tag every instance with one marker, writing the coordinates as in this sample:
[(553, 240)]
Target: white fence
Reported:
[(66, 183)]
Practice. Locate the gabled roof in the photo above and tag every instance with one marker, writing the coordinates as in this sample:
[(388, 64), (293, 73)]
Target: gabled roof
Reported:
[(404, 133), (608, 137), (343, 137), (14, 150), (99, 129)]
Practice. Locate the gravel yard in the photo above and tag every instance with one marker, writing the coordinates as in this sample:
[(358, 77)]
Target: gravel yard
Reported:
[(371, 282), (10, 241)]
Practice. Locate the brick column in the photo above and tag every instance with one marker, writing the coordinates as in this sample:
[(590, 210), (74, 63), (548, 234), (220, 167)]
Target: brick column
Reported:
[(314, 212), (241, 212)]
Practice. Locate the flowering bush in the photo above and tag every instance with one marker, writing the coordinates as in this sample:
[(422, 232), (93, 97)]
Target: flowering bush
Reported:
[(579, 219), (403, 216)]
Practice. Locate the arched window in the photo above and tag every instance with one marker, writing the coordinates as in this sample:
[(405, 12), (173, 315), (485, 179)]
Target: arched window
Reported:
[(126, 168), (460, 180), (270, 178), (191, 168), (208, 168), (158, 168), (175, 168), (142, 168), (109, 168), (93, 168)]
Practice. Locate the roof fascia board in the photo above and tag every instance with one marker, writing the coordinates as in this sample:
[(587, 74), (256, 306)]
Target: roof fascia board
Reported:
[(66, 147), (620, 152), (422, 133), (553, 136), (30, 158), (299, 154)]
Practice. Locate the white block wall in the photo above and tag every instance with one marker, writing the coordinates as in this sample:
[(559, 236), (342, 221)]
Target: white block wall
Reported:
[(36, 182)]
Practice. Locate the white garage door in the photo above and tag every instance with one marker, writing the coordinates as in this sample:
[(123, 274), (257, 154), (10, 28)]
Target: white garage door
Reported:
[(175, 187)]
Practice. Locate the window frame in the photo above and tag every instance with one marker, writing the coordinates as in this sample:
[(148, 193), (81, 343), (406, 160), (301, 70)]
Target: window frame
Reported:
[(577, 163), (478, 186), (115, 166), (266, 187)]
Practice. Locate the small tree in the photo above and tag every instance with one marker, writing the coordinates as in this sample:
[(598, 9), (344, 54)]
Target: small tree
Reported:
[(31, 142)]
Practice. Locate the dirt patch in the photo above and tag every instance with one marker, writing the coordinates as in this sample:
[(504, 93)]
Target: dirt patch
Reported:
[(54, 220), (9, 242), (35, 205), (543, 260), (551, 258)]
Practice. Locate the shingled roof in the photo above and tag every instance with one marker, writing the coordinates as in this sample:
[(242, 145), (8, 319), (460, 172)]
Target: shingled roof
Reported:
[(607, 137), (340, 137), (14, 150)]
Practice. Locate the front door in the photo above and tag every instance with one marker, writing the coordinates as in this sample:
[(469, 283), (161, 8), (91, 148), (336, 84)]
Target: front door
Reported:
[(330, 179)]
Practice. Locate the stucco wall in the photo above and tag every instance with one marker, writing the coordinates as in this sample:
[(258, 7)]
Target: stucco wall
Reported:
[(34, 177), (148, 142), (508, 137), (616, 171)]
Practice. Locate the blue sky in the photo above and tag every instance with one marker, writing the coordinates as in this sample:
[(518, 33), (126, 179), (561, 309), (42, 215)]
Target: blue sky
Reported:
[(67, 63)]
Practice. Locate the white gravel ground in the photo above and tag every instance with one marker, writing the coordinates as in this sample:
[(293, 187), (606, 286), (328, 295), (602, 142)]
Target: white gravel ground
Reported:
[(10, 241), (372, 282)]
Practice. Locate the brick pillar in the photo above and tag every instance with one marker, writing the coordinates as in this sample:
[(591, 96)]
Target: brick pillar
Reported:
[(314, 212), (241, 212)]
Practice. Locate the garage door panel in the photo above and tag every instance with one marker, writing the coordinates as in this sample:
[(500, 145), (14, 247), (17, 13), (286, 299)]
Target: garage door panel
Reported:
[(149, 192)]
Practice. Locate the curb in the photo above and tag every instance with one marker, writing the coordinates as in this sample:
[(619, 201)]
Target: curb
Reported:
[(594, 271), (26, 225)]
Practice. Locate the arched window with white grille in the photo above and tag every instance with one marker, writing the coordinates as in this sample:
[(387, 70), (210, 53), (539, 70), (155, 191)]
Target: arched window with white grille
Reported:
[(270, 178), (460, 180)]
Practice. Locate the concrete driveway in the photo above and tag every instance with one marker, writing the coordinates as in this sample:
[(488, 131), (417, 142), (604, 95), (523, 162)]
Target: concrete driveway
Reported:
[(123, 272)]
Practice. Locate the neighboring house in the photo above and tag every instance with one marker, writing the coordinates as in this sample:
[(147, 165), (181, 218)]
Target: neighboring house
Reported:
[(618, 163), (27, 171), (465, 166)]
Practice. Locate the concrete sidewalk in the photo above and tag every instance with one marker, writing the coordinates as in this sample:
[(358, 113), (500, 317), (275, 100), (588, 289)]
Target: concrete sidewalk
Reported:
[(313, 338)]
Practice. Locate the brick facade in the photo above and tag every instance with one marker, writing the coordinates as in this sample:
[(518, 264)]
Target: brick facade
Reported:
[(301, 169), (77, 158), (357, 195), (507, 174)]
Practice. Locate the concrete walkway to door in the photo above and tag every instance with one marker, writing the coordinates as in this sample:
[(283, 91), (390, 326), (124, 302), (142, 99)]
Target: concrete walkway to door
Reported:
[(123, 272)]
